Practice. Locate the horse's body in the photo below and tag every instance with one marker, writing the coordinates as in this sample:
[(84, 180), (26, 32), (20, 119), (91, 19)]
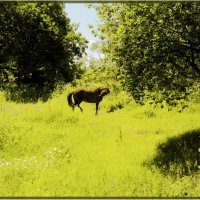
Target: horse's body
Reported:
[(89, 96)]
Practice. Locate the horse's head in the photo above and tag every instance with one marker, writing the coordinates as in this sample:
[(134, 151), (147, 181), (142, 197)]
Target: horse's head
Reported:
[(103, 90)]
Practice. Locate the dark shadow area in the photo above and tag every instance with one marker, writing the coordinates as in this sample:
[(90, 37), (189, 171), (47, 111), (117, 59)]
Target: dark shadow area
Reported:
[(29, 93), (179, 156)]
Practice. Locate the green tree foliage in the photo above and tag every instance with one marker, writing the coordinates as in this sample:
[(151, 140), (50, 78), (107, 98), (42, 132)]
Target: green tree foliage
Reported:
[(98, 72), (156, 46), (38, 45)]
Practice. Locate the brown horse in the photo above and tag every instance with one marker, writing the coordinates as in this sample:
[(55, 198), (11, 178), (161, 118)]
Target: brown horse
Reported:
[(89, 96)]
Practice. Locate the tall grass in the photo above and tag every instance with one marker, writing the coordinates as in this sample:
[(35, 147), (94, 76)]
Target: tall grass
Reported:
[(46, 150)]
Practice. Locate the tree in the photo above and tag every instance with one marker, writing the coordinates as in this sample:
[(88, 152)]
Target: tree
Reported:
[(155, 44), (39, 46)]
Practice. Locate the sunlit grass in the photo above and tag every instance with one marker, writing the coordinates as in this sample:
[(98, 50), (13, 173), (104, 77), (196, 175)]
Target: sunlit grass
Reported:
[(48, 150)]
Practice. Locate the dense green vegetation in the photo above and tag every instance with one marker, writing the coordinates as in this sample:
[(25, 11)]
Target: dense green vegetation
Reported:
[(39, 48), (155, 46), (148, 47)]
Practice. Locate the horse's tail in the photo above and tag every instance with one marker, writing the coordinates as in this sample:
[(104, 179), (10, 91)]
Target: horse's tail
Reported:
[(69, 99)]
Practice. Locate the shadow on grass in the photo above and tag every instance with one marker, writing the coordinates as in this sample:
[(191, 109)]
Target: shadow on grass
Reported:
[(179, 156)]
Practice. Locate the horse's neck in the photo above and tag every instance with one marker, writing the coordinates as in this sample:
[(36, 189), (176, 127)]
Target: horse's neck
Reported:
[(101, 95)]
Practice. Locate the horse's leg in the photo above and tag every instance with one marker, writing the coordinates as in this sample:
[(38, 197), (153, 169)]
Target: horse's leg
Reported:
[(97, 107), (77, 102), (73, 106), (80, 108)]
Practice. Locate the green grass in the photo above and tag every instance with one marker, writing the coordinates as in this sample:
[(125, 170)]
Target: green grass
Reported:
[(46, 150)]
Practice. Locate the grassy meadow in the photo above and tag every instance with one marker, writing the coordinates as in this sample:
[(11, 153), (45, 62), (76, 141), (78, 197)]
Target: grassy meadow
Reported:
[(46, 150)]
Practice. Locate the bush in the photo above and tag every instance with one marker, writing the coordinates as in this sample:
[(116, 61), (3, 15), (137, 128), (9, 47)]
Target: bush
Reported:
[(112, 108), (28, 93), (194, 92)]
